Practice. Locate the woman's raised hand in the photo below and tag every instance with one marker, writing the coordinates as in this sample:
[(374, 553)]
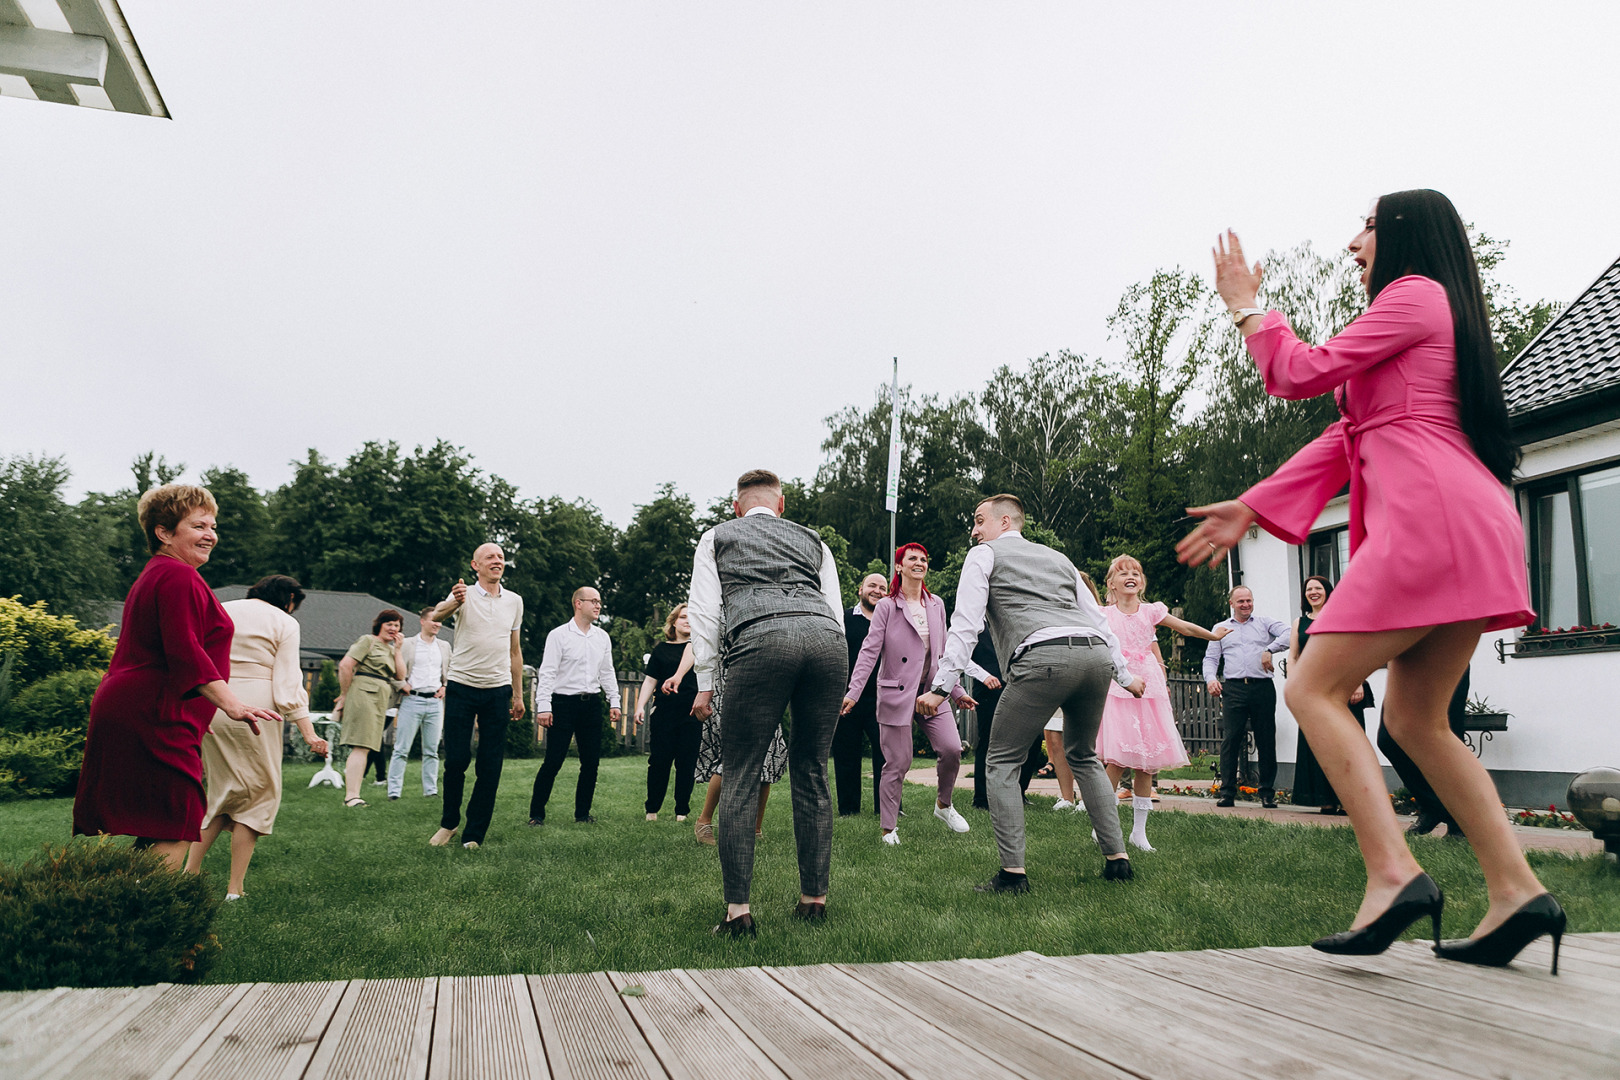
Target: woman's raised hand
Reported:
[(1238, 285), (1223, 526)]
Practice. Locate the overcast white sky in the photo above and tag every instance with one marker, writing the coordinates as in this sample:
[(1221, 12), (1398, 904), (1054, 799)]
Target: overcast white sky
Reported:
[(603, 245)]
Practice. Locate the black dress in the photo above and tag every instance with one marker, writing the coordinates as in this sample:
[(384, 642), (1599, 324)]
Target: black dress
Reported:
[(673, 732), (1311, 787)]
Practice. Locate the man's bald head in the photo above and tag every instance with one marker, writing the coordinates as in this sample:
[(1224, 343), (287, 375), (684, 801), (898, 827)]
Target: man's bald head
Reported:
[(489, 563), (874, 587)]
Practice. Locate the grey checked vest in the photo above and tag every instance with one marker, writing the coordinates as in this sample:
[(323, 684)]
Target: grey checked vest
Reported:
[(768, 567), (1031, 588)]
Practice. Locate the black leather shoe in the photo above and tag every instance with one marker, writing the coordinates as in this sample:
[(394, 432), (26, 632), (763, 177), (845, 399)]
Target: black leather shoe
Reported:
[(1117, 870), (534, 821), (1420, 897), (741, 926), (1269, 803), (1541, 915), (1005, 882), (810, 911), (588, 819), (1226, 800), (1425, 824)]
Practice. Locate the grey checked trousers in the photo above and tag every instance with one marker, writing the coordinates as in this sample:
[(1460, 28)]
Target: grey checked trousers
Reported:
[(798, 661), (1074, 678)]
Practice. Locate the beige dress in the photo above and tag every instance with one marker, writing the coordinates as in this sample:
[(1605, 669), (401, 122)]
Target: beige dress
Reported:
[(366, 702), (244, 769)]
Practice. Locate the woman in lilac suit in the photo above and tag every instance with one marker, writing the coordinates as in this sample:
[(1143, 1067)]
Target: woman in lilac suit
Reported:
[(904, 645)]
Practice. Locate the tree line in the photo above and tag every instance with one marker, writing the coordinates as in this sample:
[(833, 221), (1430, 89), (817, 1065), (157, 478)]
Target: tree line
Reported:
[(1106, 453)]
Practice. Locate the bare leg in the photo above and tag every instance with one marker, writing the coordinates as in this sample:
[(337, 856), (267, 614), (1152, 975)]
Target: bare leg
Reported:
[(711, 800), (1141, 784), (173, 852), (1114, 773), (194, 858), (1060, 764), (1415, 699), (242, 841), (759, 819), (354, 771)]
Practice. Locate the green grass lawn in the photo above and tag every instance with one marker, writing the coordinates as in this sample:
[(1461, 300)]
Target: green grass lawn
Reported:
[(338, 893)]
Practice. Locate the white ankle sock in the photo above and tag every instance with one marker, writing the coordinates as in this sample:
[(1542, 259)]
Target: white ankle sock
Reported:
[(1140, 807)]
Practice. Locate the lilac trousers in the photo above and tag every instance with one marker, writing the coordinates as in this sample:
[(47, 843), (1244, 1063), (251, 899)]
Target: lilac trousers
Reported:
[(896, 739)]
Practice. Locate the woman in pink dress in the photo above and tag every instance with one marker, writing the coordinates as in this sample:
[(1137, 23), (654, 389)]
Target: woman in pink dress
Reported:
[(1140, 733), (1424, 444)]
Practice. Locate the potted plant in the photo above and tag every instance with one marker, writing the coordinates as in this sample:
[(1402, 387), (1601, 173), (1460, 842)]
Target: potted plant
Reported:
[(1482, 716)]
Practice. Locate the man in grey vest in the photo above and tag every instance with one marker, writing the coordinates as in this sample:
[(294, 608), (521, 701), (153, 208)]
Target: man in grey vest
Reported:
[(765, 608), (1056, 652)]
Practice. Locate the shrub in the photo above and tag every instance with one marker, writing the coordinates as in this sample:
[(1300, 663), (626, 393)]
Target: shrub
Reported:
[(59, 702), (39, 766), (95, 913), (45, 644), (326, 688)]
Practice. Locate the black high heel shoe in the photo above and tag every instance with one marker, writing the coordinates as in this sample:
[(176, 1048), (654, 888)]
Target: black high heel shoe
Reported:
[(1420, 897), (1540, 915)]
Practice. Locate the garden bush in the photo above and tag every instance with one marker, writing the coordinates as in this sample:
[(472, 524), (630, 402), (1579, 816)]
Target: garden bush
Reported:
[(39, 766), (59, 702), (96, 913), (44, 644)]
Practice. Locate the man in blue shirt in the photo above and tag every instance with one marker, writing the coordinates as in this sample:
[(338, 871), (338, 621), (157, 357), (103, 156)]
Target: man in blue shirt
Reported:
[(1248, 696)]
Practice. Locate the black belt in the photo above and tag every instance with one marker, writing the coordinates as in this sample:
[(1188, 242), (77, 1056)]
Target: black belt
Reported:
[(1085, 639), (577, 697), (1251, 679), (424, 693)]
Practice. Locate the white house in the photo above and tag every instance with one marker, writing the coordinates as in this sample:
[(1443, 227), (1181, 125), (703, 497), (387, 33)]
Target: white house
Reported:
[(1561, 689)]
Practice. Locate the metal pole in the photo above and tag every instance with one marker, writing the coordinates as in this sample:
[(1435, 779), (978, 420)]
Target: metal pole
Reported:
[(892, 498)]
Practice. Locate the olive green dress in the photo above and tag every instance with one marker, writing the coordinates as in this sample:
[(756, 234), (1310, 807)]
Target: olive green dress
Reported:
[(365, 705)]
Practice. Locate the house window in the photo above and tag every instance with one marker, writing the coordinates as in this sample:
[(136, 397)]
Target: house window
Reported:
[(1328, 554), (1574, 521)]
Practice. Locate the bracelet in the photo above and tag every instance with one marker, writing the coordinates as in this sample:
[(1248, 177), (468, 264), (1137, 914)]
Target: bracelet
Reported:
[(1242, 315)]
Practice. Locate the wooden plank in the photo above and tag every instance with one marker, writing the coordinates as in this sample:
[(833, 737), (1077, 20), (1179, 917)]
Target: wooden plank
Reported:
[(269, 1035), (804, 1044), (588, 1033), (485, 1029), (158, 1039), (692, 1036), (1461, 1042), (382, 1030), (1593, 943), (911, 1044), (1019, 1046), (17, 1002), (1246, 1021), (44, 1031), (1424, 1000)]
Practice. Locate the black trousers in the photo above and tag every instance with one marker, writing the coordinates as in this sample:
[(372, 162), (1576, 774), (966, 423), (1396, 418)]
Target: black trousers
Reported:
[(1248, 706), (986, 715), (1412, 778), (674, 740), (577, 717), (858, 726), (491, 709)]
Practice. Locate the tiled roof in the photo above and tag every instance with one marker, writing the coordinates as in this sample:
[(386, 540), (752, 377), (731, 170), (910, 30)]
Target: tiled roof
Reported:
[(1578, 353), (329, 622)]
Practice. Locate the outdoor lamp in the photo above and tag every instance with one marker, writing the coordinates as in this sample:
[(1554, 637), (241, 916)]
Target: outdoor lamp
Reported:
[(1594, 798)]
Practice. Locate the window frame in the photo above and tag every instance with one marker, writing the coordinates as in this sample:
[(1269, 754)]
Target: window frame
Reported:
[(1530, 493), (1307, 567)]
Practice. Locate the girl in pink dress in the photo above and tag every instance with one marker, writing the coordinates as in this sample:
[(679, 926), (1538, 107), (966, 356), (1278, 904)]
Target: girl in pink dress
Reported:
[(1140, 733), (1424, 443)]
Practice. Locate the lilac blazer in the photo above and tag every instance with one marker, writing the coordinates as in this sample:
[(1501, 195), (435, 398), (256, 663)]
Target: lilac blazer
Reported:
[(894, 647)]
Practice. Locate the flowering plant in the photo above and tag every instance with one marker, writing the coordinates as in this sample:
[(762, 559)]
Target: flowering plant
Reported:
[(1544, 631), (1550, 818)]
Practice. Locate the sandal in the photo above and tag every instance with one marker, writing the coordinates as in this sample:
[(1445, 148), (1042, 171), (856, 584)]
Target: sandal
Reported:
[(356, 801)]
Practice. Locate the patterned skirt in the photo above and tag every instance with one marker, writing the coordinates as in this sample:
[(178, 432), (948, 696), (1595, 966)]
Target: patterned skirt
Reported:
[(708, 760)]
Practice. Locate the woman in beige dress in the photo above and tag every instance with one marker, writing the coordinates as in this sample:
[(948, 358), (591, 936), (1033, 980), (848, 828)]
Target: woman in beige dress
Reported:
[(244, 770), (367, 675)]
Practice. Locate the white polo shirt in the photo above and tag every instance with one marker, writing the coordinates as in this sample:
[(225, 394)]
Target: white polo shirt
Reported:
[(481, 655)]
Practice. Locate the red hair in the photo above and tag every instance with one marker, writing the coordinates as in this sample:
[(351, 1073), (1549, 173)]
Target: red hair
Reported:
[(900, 553)]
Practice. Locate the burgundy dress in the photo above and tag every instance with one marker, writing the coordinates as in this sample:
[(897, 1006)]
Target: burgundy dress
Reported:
[(142, 773)]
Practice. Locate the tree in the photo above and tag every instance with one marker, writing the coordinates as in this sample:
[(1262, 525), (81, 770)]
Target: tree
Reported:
[(46, 552), (652, 566), (1514, 323), (245, 551)]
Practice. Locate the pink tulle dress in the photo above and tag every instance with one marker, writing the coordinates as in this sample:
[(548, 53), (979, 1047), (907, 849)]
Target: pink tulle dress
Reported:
[(1139, 733)]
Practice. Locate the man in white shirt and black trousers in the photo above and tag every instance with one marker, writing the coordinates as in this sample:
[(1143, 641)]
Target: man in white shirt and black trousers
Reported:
[(1056, 652), (575, 673), (765, 606)]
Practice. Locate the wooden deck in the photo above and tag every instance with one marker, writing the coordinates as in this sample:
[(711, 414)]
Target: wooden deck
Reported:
[(1257, 1012)]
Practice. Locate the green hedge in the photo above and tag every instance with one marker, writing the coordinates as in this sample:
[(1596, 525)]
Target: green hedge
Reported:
[(96, 913), (42, 735), (42, 644), (39, 766)]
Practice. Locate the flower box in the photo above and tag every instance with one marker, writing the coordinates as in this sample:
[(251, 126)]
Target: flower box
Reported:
[(1560, 641)]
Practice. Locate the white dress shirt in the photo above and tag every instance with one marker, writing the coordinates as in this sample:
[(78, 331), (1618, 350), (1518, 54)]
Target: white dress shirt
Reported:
[(704, 603), (576, 662), (972, 596), (425, 664)]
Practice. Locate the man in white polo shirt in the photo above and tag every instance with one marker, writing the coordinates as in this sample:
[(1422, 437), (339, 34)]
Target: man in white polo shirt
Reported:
[(484, 687), (575, 672)]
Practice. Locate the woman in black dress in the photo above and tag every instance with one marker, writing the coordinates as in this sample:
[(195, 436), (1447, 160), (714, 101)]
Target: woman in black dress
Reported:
[(1311, 787), (673, 732)]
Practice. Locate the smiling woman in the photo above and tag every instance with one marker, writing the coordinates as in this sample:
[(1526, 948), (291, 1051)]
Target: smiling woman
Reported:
[(142, 773)]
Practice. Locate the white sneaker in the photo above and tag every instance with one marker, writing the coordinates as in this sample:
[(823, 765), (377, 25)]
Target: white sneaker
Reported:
[(471, 845), (1063, 804), (950, 817), (892, 837)]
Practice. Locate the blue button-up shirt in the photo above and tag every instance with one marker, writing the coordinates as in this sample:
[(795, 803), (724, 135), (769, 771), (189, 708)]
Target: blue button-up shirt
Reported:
[(1241, 648)]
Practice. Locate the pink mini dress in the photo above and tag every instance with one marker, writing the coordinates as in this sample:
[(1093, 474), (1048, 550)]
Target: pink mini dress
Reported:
[(1434, 537), (1139, 733)]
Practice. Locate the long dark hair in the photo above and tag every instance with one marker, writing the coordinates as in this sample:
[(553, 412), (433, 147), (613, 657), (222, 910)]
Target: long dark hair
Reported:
[(1327, 586), (1420, 232)]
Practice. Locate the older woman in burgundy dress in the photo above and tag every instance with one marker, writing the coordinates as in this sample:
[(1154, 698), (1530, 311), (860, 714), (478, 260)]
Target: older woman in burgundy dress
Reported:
[(1424, 443), (142, 774)]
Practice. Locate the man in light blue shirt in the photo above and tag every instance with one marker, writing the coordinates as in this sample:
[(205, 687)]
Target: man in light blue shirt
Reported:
[(1248, 696)]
